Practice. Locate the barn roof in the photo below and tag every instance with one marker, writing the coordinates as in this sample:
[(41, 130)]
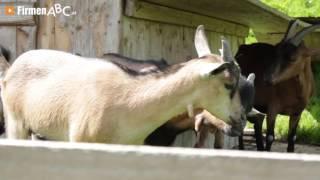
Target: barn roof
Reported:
[(251, 13)]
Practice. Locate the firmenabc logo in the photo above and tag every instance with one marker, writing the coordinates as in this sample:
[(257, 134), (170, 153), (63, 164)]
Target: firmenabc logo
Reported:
[(20, 10), (9, 10)]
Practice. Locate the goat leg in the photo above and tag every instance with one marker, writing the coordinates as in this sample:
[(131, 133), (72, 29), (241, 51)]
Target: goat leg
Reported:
[(258, 134), (240, 142), (271, 120), (293, 124), (257, 122), (218, 139), (201, 131)]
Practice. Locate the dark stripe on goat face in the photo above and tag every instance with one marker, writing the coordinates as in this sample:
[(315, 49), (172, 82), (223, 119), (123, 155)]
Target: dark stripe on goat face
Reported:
[(284, 58), (5, 53), (247, 93), (285, 53)]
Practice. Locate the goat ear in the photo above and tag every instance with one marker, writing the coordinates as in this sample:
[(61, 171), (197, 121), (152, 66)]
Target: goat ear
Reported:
[(201, 42), (214, 69), (255, 113), (5, 53), (251, 78)]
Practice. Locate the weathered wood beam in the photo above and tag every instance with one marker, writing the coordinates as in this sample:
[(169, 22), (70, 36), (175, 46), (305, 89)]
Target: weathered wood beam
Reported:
[(154, 12)]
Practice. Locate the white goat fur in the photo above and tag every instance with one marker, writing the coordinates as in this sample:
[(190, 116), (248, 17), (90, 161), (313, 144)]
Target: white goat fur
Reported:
[(66, 97)]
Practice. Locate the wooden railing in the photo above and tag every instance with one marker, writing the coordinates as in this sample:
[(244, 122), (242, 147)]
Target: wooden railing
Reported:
[(82, 161)]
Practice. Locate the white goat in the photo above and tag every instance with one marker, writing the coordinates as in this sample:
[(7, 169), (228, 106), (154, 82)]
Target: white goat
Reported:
[(66, 97)]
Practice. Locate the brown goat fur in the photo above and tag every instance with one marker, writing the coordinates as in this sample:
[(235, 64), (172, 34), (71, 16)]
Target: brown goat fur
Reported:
[(284, 81)]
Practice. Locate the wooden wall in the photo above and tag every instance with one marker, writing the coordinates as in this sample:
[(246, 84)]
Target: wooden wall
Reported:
[(93, 31), (143, 31), (145, 39), (17, 33)]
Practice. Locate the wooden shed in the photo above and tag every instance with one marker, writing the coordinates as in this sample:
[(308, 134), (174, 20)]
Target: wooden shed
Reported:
[(140, 29)]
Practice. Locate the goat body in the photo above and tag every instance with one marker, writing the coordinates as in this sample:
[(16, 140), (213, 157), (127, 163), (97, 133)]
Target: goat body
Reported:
[(82, 98), (203, 121), (167, 133), (284, 82), (66, 97)]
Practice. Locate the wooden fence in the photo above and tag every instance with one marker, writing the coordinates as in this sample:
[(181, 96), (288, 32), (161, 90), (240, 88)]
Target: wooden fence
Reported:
[(81, 161)]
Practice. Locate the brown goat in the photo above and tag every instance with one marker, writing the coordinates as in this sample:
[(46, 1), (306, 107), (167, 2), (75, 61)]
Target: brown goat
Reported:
[(284, 80)]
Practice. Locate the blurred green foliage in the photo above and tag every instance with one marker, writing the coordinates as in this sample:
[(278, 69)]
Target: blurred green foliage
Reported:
[(251, 38), (296, 8)]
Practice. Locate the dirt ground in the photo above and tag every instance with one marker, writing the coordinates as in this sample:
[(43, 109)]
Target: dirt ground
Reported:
[(282, 147)]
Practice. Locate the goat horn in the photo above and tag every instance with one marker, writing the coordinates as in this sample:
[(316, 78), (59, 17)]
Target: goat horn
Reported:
[(201, 42), (251, 78), (228, 57), (296, 40), (293, 24), (226, 50)]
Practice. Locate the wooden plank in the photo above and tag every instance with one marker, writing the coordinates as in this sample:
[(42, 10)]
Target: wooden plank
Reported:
[(154, 41), (127, 33), (113, 32), (16, 19), (250, 13), (188, 48), (140, 40), (98, 22), (81, 161), (26, 38), (8, 40), (15, 1), (94, 31), (130, 45), (45, 34), (171, 41), (74, 33), (215, 41), (150, 11)]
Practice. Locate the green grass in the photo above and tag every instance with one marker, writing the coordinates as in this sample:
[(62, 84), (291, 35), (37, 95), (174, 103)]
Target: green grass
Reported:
[(308, 131)]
